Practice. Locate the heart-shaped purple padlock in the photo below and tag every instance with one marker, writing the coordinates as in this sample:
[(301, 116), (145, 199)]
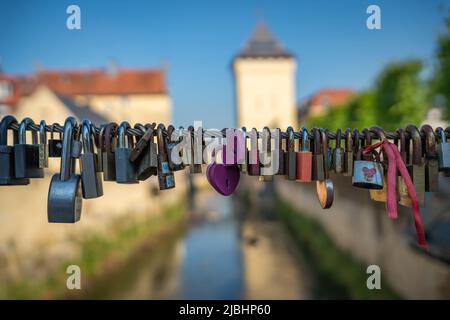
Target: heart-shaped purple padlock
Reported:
[(224, 179)]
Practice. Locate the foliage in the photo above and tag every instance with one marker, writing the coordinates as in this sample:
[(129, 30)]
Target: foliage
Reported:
[(400, 95), (440, 82), (397, 99)]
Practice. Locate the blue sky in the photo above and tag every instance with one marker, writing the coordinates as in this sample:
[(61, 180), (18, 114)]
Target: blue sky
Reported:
[(198, 39)]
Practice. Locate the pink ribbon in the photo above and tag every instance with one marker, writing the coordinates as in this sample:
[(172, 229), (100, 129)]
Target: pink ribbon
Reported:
[(395, 162)]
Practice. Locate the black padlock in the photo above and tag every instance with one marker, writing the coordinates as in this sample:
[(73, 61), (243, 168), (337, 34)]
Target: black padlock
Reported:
[(65, 195), (91, 180), (54, 145), (125, 170), (291, 156), (43, 148), (174, 149), (108, 149), (166, 178), (147, 162), (7, 172), (26, 156)]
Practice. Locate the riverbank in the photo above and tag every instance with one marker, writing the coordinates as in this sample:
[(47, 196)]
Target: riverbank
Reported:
[(336, 275), (102, 256)]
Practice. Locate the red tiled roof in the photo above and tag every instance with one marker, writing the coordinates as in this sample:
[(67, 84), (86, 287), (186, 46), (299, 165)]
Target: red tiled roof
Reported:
[(19, 87), (99, 82), (331, 97)]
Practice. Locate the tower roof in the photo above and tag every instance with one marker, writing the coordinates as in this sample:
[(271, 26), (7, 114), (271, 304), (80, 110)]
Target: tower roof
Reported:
[(263, 44)]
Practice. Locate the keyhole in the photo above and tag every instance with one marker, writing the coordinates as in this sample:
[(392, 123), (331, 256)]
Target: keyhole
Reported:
[(227, 183)]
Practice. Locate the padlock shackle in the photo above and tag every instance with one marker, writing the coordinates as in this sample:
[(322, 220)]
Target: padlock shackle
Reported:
[(6, 122), (324, 142), (66, 154), (338, 137), (429, 143), (42, 133), (52, 130), (160, 138), (109, 134), (86, 136), (379, 132), (367, 138), (348, 140), (414, 134), (267, 137), (290, 139), (123, 127), (356, 145), (305, 140), (23, 131), (317, 138)]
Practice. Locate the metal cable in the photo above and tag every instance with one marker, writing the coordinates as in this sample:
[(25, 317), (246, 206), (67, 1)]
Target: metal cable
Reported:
[(137, 132)]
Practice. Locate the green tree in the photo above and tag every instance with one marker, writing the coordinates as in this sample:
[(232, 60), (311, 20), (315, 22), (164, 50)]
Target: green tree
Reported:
[(400, 95), (361, 111), (440, 82)]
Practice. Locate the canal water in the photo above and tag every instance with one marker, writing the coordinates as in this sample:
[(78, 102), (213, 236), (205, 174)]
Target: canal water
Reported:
[(213, 259)]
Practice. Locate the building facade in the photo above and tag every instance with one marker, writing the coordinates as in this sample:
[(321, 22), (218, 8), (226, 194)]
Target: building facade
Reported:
[(264, 76)]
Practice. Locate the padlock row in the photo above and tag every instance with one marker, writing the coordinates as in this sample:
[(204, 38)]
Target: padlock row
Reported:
[(123, 154)]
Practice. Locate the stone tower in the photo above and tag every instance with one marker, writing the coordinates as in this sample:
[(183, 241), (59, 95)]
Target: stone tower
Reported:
[(264, 76)]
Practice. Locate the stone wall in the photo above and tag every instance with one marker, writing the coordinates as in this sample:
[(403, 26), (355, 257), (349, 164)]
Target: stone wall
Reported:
[(361, 227)]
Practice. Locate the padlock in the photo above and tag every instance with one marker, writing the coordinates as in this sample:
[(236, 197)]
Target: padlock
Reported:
[(325, 187), (367, 174), (243, 166), (348, 155), (108, 153), (166, 178), (147, 162), (43, 148), (64, 196), (125, 170), (54, 145), (304, 159), (443, 151), (253, 155), (281, 153), (338, 154), (291, 156), (267, 170), (26, 156), (317, 172), (416, 169), (100, 145), (91, 180), (431, 159), (380, 195), (196, 146), (7, 172), (401, 140), (174, 149)]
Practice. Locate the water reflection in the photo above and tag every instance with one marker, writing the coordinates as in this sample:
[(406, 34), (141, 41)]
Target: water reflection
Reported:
[(212, 267)]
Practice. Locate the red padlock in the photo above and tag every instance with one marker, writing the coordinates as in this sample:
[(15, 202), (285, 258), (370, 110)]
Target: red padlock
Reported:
[(304, 159)]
